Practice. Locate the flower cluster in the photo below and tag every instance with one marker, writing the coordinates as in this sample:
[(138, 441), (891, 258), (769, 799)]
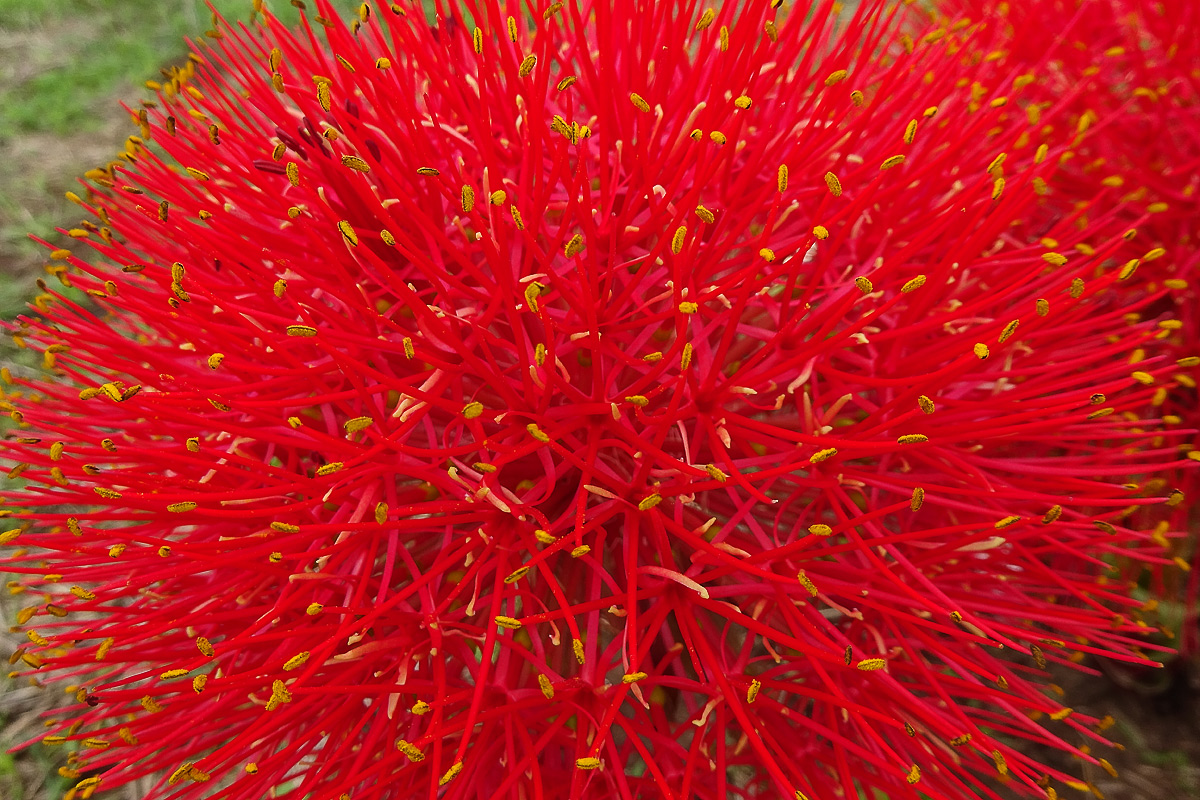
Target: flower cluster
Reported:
[(574, 400)]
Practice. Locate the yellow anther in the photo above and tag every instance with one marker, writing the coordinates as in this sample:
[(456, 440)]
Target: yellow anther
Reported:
[(835, 186), (1076, 289), (580, 551), (821, 455), (411, 751), (743, 102), (537, 433), (511, 623), (820, 529), (348, 234), (926, 404), (912, 438), (807, 583), (1144, 378), (420, 708), (574, 246), (910, 132), (527, 65), (723, 35), (431, 171), (215, 360), (1154, 255), (685, 358), (1128, 269), (301, 330), (472, 410), (715, 473), (296, 661), (688, 308), (752, 690), (330, 468), (918, 499), (858, 98), (892, 161), (913, 285), (1052, 515), (181, 507), (649, 502), (639, 102), (1006, 522), (717, 137), (588, 763), (357, 424), (457, 766), (706, 19), (355, 163), (633, 677), (566, 82), (678, 239), (767, 254), (468, 199), (1008, 331), (998, 188), (871, 664), (981, 350), (532, 292), (781, 178), (820, 231), (324, 97), (864, 285), (477, 39), (836, 77), (577, 648)]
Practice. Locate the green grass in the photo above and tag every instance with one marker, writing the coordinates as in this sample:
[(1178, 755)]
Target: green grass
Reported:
[(111, 47), (108, 49), (65, 65)]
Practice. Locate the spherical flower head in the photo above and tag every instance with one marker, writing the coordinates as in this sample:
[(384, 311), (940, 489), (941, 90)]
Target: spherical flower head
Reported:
[(618, 400)]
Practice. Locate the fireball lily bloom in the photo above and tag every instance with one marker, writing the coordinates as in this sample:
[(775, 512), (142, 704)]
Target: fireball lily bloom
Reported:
[(625, 399)]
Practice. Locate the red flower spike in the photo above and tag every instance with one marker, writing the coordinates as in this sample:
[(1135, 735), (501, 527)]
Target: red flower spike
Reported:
[(587, 405)]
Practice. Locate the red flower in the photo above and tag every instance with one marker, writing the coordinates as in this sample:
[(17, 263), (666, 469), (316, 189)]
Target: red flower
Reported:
[(620, 401)]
